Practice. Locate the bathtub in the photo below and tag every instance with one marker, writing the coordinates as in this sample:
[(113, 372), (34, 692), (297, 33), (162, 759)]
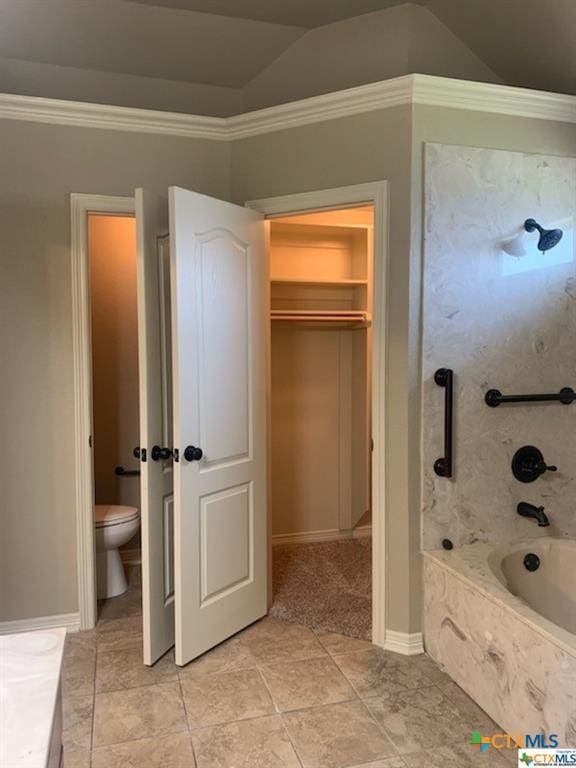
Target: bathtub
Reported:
[(506, 634), (550, 589)]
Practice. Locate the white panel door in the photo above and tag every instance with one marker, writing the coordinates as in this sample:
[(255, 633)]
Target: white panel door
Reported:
[(156, 479), (219, 283)]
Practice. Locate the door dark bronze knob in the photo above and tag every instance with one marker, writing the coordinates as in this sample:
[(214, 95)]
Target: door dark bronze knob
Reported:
[(191, 453), (158, 453), (136, 452)]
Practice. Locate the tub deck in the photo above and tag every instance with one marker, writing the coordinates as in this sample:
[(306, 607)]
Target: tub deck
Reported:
[(517, 665)]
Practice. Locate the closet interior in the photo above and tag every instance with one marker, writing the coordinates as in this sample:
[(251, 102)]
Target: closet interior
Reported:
[(321, 276)]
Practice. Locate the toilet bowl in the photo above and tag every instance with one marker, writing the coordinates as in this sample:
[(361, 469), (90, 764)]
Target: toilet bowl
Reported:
[(115, 525)]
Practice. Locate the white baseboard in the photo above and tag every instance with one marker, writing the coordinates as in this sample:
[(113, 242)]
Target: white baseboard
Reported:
[(330, 534), (409, 644), (70, 621)]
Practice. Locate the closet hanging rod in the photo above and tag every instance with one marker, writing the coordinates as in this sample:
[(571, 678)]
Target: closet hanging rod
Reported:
[(494, 397), (352, 312), (305, 319), (358, 318)]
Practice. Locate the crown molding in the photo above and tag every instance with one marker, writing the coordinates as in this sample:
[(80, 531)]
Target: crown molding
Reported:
[(407, 90), (328, 106), (488, 97), (57, 112)]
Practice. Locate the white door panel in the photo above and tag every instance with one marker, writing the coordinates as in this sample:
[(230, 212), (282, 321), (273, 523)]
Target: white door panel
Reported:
[(219, 278), (156, 481)]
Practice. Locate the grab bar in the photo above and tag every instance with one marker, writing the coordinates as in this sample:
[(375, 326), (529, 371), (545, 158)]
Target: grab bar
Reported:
[(121, 472), (444, 377), (494, 397)]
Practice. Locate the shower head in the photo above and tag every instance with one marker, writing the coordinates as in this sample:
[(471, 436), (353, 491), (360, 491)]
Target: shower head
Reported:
[(548, 237)]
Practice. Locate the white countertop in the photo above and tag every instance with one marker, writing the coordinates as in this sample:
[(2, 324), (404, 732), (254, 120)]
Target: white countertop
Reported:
[(30, 665)]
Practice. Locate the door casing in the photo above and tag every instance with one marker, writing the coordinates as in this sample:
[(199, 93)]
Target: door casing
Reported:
[(81, 207), (376, 194)]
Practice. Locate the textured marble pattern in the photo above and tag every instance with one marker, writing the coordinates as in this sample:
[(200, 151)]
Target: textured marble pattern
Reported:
[(512, 332), (308, 683), (215, 699), (77, 729), (421, 720), (511, 668), (480, 564), (137, 713), (262, 742), (376, 672), (124, 669), (30, 666), (174, 751), (336, 735)]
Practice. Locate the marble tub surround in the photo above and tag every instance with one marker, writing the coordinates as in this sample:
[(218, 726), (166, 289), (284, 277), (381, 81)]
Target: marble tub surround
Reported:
[(276, 695), (497, 329), (481, 565), (519, 668), (30, 699)]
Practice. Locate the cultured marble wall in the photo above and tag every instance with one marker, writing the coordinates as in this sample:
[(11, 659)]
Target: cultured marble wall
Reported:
[(525, 682), (500, 322)]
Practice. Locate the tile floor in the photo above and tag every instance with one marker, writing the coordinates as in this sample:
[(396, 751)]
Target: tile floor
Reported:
[(277, 695)]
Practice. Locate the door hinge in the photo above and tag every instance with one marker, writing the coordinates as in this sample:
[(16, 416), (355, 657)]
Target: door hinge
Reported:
[(176, 454), (90, 441)]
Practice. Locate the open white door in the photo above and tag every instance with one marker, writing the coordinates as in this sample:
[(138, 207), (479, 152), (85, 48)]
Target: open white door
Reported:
[(219, 283), (156, 480)]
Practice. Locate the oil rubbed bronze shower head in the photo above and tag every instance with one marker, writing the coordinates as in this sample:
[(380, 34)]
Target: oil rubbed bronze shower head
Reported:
[(548, 237)]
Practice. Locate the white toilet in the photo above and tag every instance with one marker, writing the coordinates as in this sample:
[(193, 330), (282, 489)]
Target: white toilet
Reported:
[(115, 525)]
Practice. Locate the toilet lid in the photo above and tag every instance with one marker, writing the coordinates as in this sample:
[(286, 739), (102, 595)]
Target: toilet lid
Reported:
[(109, 514)]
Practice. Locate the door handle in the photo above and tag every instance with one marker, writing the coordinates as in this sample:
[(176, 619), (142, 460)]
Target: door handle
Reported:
[(159, 453), (191, 453)]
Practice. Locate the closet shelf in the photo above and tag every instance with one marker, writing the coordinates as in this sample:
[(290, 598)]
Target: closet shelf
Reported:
[(302, 281)]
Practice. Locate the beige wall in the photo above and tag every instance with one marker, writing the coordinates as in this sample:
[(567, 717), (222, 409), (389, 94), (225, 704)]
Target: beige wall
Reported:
[(112, 249), (40, 165), (369, 147)]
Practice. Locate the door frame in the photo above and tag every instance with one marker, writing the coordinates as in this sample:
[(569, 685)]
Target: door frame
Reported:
[(81, 206), (376, 194)]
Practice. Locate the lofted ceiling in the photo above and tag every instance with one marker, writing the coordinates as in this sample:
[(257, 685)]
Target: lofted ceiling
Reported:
[(235, 45), (529, 43), (138, 39), (298, 13)]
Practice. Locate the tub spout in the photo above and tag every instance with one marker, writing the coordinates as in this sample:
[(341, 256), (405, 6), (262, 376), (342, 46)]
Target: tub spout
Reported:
[(536, 513)]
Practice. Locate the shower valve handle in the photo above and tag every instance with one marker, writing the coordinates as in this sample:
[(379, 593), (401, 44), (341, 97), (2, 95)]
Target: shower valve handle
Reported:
[(543, 467), (528, 464)]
